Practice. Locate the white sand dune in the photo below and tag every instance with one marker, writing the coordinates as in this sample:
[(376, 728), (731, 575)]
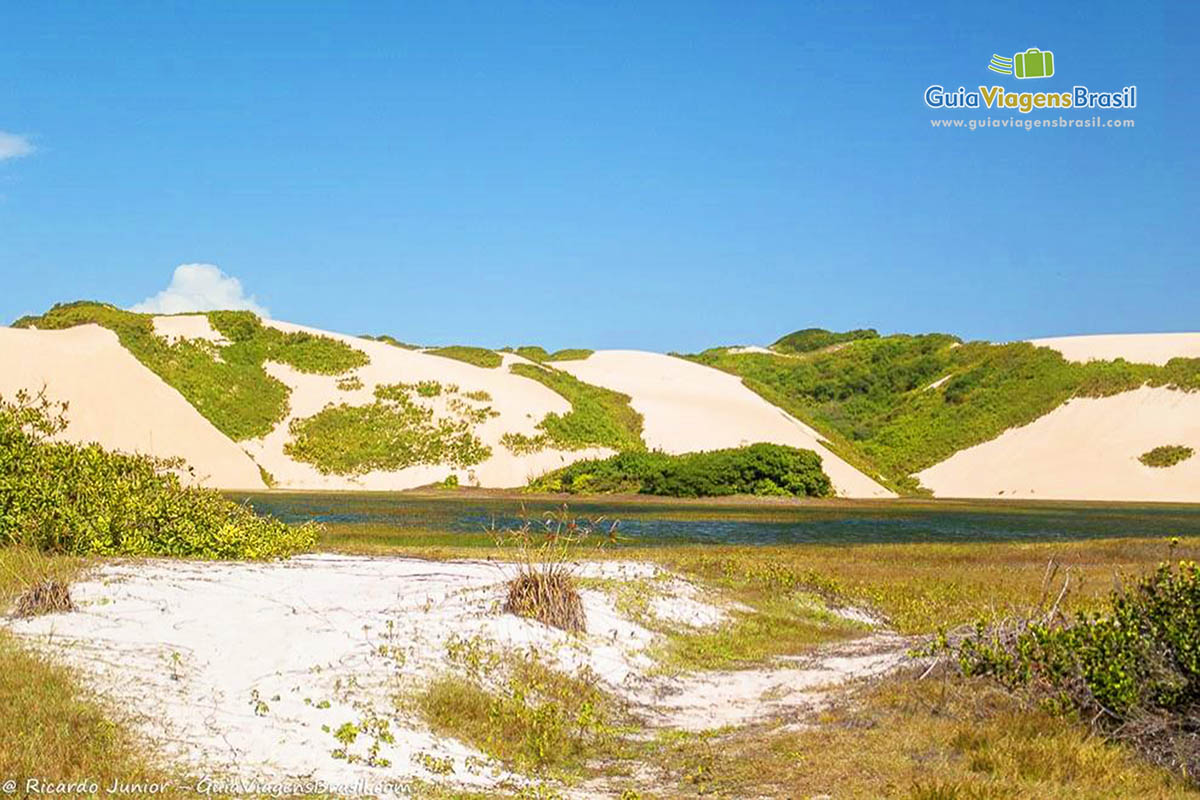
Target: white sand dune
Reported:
[(520, 402), (324, 640), (1086, 449), (689, 407), (116, 401), (1140, 348)]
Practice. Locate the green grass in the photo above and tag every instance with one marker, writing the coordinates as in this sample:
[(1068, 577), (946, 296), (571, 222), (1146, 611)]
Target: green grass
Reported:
[(598, 417), (393, 341), (479, 356), (390, 434), (226, 384), (1167, 455), (874, 399)]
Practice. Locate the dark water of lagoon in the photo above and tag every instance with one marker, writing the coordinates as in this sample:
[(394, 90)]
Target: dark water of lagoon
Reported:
[(691, 522)]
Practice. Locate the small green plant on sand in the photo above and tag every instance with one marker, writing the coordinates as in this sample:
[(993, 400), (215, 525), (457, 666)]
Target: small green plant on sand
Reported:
[(599, 417), (478, 356), (1167, 455), (545, 585)]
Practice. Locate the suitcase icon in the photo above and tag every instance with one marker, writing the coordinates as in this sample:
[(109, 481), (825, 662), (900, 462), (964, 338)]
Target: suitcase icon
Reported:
[(1033, 63)]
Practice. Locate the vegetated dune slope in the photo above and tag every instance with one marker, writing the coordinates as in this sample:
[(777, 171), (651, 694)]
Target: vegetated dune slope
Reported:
[(1088, 448), (689, 407), (521, 404), (119, 403)]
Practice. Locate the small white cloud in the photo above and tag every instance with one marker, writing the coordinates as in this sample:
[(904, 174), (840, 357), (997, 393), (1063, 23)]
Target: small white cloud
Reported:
[(200, 287), (14, 146)]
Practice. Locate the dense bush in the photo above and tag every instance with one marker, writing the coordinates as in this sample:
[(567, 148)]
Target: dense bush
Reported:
[(68, 498), (1167, 455), (479, 356), (762, 469), (810, 339), (1133, 669), (226, 384), (598, 417), (876, 401)]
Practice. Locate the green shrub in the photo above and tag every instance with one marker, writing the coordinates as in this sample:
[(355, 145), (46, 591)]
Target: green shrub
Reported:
[(394, 342), (75, 499), (598, 417), (762, 469), (810, 339), (390, 434), (1133, 669), (1167, 455), (226, 384), (541, 356), (478, 356)]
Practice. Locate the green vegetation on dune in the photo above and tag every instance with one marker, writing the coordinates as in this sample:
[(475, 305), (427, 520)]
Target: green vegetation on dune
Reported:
[(810, 339), (226, 383), (761, 469), (541, 356), (393, 341), (598, 417), (394, 432), (60, 497), (479, 356), (896, 405), (1167, 455)]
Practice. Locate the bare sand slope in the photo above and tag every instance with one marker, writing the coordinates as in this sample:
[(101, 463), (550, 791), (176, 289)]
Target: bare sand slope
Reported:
[(116, 401), (1086, 449), (689, 407), (521, 404), (1140, 348)]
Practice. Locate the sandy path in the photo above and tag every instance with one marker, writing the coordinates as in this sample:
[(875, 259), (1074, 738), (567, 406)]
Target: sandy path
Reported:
[(116, 401), (1086, 449), (1140, 348), (689, 407), (233, 669)]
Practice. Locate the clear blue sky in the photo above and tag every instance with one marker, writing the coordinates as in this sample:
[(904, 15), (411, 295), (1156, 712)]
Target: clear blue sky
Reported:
[(656, 175)]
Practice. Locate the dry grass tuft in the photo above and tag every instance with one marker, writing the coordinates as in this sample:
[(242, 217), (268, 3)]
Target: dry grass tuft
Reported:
[(548, 593), (44, 597)]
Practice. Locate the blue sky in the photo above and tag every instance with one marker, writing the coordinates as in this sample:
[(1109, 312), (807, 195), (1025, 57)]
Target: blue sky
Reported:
[(660, 175)]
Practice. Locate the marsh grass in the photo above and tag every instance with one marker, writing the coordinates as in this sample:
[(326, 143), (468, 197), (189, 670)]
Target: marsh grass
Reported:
[(47, 596)]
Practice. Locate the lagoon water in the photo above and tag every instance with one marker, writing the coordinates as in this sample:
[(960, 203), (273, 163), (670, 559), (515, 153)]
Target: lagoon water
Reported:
[(402, 516)]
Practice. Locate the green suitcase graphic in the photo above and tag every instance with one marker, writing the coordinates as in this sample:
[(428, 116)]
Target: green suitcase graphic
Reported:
[(1033, 63)]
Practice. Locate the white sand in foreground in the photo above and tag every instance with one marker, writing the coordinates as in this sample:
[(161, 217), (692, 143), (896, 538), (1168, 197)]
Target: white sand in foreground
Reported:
[(689, 407), (233, 669), (1140, 348), (1086, 449), (116, 401)]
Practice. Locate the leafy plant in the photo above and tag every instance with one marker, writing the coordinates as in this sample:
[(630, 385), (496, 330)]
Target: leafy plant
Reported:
[(60, 497), (1167, 455), (762, 469)]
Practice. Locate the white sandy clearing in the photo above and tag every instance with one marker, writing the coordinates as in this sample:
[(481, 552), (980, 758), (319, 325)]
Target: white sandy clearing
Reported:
[(233, 669), (689, 407), (751, 348), (116, 401), (1139, 348), (187, 326), (1086, 449)]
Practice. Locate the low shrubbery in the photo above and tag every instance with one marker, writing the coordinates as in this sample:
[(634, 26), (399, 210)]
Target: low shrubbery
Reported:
[(1167, 455), (67, 498), (390, 434), (598, 417), (1132, 669), (762, 469), (810, 339), (225, 383), (541, 356), (479, 356)]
